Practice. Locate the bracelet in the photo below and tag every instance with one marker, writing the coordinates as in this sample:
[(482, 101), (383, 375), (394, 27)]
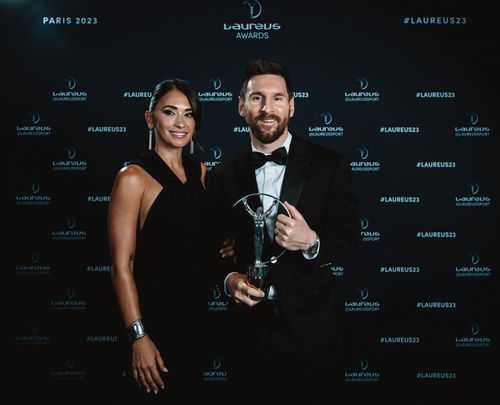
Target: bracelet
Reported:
[(135, 331)]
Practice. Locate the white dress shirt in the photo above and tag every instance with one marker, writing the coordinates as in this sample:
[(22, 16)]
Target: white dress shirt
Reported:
[(269, 178)]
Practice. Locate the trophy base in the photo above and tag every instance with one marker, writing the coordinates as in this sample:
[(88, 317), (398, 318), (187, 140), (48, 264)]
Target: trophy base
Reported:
[(258, 277)]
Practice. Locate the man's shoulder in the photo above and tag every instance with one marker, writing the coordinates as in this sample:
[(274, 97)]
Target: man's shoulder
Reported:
[(316, 151), (228, 166)]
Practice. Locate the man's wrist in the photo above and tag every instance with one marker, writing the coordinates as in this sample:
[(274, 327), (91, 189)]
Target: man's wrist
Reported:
[(312, 250), (226, 291), (312, 240)]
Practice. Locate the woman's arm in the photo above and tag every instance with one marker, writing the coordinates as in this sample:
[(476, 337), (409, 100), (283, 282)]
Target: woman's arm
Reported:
[(123, 219)]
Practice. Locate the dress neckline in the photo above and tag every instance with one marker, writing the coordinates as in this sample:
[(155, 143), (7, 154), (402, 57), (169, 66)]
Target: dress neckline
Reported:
[(157, 160)]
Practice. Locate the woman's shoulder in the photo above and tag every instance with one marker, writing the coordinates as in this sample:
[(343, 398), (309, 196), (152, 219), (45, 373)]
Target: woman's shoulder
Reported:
[(132, 175)]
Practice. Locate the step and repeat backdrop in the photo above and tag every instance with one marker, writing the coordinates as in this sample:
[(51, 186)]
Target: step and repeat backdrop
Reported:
[(408, 91)]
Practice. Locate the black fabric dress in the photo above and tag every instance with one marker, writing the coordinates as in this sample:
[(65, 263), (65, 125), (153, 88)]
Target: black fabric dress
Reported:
[(172, 269)]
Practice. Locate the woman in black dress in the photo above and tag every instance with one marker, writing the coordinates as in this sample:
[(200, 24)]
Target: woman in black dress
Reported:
[(158, 227)]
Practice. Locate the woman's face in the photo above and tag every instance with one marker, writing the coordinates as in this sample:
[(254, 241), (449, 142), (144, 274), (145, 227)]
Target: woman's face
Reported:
[(172, 119)]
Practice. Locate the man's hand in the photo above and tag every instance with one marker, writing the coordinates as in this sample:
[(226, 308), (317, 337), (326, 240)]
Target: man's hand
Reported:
[(293, 233), (237, 285)]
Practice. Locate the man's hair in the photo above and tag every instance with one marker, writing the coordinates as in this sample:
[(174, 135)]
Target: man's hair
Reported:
[(264, 67)]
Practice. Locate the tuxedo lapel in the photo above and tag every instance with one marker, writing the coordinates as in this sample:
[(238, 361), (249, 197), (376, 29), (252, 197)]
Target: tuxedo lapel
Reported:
[(245, 176), (296, 172)]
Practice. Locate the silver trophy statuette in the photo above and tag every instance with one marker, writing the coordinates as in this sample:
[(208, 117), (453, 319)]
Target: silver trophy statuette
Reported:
[(258, 272)]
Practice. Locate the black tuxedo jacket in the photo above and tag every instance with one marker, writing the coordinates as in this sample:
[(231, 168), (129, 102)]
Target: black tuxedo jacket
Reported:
[(317, 182)]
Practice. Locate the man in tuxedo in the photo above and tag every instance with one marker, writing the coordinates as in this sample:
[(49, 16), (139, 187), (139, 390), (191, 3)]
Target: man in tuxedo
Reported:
[(290, 337)]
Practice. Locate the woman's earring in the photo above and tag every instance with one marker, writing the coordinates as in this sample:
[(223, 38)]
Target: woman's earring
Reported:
[(150, 138), (191, 145)]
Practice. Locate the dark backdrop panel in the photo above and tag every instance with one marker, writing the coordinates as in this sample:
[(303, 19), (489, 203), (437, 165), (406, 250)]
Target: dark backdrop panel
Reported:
[(406, 90)]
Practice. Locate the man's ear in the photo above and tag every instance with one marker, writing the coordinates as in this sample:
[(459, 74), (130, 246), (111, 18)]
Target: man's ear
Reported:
[(292, 106), (241, 106)]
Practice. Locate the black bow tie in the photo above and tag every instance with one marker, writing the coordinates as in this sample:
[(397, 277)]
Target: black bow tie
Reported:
[(279, 156)]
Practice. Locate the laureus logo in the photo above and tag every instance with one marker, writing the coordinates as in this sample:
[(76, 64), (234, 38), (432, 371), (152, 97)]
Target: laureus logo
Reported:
[(70, 164), (216, 371), (474, 269), (70, 94), (327, 117), (216, 82), (34, 128), (70, 302), (363, 152), (71, 222), (362, 95), (363, 364), (361, 304), (254, 29), (71, 82), (71, 232), (70, 292), (35, 258), (216, 363), (216, 292), (473, 118), (216, 301), (364, 222), (69, 373), (33, 338), (216, 152), (473, 199), (474, 339), (215, 93), (474, 328), (473, 188), (366, 235), (471, 129), (474, 258), (71, 152), (363, 293), (254, 8), (363, 83), (33, 267), (327, 129), (35, 117), (364, 165), (361, 373), (33, 198), (35, 327)]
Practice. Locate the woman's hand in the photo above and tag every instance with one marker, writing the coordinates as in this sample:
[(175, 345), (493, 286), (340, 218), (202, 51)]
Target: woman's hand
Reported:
[(147, 364), (228, 249)]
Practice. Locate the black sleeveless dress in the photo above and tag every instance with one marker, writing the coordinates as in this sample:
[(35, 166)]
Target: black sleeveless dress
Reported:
[(172, 264)]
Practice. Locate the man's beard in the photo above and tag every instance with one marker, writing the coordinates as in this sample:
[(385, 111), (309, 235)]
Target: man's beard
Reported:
[(268, 136)]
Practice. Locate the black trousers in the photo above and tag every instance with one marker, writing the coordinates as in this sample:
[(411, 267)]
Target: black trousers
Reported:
[(269, 366)]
